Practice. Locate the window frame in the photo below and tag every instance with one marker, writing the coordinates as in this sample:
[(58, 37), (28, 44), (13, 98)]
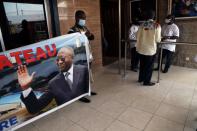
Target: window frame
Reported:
[(51, 17)]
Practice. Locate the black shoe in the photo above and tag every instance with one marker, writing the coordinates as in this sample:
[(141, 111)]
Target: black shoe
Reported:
[(93, 93), (165, 71), (140, 81), (85, 100), (149, 84)]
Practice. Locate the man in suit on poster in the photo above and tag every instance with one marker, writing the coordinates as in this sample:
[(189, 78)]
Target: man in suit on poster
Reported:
[(71, 82)]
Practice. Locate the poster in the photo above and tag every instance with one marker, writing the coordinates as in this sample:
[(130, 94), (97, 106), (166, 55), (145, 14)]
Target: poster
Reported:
[(184, 8), (49, 89)]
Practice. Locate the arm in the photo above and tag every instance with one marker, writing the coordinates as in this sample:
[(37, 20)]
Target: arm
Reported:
[(35, 105), (170, 37), (175, 33), (158, 34), (88, 34), (32, 104), (132, 35), (70, 31)]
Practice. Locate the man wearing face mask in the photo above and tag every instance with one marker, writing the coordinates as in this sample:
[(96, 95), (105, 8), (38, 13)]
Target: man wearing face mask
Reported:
[(80, 22), (170, 33)]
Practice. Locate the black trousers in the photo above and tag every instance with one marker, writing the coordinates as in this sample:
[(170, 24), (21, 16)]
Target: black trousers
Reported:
[(146, 68), (135, 58), (168, 56)]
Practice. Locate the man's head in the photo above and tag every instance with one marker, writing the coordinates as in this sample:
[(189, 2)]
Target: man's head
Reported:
[(80, 17), (169, 19), (65, 58), (149, 14), (135, 21), (24, 24)]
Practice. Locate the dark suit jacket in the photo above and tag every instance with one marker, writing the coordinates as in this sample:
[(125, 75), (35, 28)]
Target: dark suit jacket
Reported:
[(59, 90)]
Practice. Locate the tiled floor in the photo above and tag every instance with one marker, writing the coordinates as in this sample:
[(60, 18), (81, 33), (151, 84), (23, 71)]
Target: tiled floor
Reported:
[(125, 105)]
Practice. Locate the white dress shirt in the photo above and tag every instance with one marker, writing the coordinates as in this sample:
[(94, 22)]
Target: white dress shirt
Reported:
[(70, 71), (133, 35), (170, 30)]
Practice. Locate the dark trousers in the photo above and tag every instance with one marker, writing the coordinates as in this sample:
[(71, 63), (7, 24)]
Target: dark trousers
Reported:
[(168, 56), (135, 58), (146, 68)]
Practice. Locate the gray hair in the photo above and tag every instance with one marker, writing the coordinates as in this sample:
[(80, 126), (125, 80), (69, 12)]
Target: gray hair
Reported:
[(67, 49)]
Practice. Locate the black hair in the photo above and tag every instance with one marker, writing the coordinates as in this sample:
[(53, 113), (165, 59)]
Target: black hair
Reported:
[(170, 16), (24, 23), (149, 14), (135, 21), (79, 13)]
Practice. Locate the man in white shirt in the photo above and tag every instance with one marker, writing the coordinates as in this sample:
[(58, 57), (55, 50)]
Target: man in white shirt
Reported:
[(71, 82), (132, 38), (170, 33), (148, 35)]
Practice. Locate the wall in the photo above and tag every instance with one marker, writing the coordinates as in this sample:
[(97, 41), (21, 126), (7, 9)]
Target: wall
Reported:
[(187, 34), (67, 8)]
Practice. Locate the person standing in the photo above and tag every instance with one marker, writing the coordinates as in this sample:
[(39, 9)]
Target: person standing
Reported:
[(148, 35), (80, 22), (132, 38), (170, 33)]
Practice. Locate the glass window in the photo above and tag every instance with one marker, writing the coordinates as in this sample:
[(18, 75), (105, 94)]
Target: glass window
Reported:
[(23, 23)]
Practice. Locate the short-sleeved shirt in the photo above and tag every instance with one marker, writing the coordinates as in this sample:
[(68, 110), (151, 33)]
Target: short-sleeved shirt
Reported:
[(133, 35), (170, 30), (149, 33)]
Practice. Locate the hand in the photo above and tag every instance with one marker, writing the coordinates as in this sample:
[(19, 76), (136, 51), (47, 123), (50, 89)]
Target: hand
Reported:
[(88, 34), (162, 39), (24, 79)]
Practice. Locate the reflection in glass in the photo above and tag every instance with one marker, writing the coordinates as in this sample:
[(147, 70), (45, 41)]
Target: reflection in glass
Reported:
[(26, 24), (16, 12)]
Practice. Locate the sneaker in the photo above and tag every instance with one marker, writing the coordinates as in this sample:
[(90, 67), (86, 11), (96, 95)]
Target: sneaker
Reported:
[(85, 100)]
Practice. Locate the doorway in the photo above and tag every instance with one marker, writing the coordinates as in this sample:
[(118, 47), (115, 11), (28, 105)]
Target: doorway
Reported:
[(109, 24), (109, 29), (138, 6)]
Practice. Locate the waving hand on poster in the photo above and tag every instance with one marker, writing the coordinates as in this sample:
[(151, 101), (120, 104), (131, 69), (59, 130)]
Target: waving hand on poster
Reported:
[(24, 78)]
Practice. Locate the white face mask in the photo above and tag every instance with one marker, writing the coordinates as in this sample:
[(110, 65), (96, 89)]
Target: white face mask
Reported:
[(167, 21), (82, 22), (188, 3)]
